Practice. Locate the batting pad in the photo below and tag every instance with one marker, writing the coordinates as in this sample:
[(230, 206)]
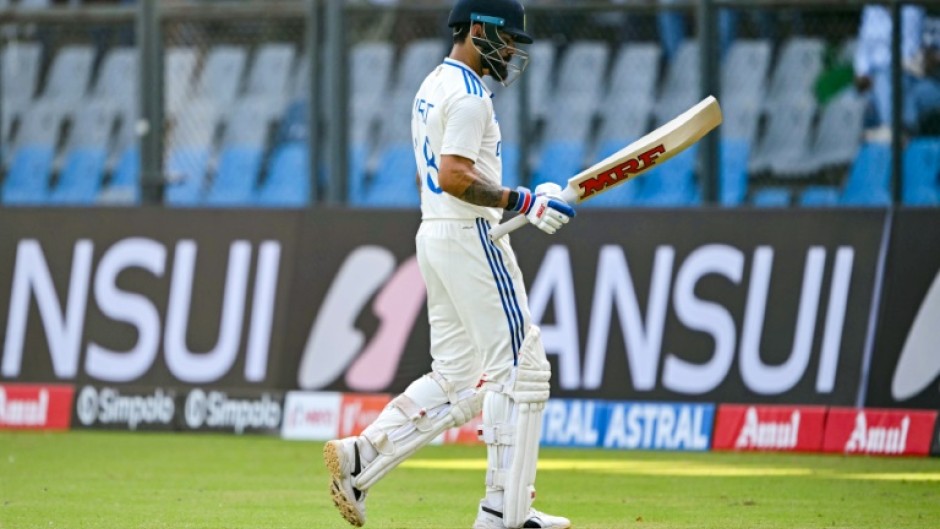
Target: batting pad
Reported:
[(512, 422), (520, 487), (413, 419)]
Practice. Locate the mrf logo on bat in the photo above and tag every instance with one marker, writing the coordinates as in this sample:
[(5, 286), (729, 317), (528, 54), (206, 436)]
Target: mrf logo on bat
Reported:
[(620, 172)]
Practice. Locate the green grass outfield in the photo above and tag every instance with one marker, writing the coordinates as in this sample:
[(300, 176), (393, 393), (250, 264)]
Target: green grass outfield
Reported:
[(146, 480)]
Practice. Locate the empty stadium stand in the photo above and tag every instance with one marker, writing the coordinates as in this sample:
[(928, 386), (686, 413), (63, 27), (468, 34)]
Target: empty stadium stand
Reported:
[(237, 122)]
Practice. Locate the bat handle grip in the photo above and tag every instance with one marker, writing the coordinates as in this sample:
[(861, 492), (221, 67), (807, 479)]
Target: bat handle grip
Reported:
[(510, 225), (569, 195)]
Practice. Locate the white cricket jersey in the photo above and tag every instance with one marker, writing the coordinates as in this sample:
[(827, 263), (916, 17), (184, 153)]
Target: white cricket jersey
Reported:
[(453, 114)]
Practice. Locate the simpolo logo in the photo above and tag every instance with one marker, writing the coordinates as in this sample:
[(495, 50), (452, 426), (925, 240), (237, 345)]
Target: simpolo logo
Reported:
[(216, 410), (108, 406)]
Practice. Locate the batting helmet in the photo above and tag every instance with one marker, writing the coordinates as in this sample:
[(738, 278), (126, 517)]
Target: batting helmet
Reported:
[(508, 15)]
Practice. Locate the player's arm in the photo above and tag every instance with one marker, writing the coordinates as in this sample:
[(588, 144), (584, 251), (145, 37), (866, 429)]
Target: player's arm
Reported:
[(465, 122), (545, 209), (458, 177)]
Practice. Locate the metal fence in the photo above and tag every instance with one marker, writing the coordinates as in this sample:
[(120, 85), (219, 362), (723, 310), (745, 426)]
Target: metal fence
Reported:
[(209, 103)]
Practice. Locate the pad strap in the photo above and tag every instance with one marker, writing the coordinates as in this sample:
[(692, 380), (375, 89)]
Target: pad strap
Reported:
[(415, 413), (497, 434), (496, 478), (429, 406)]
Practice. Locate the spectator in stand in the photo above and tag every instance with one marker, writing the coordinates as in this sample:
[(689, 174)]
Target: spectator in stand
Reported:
[(872, 63), (922, 108), (673, 25)]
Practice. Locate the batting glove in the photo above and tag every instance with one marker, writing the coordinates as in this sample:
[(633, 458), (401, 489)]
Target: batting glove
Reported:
[(545, 209)]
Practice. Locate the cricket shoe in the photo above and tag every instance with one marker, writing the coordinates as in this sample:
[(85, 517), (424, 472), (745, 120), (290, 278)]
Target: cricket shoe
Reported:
[(492, 519), (342, 461)]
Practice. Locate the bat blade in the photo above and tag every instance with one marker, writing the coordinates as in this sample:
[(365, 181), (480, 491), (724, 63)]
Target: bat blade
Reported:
[(647, 152), (635, 159)]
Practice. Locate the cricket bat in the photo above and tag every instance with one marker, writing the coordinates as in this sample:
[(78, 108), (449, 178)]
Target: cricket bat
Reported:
[(634, 159)]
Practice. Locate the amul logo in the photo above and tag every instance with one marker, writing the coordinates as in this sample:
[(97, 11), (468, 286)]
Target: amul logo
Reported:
[(878, 439), (24, 411), (769, 434)]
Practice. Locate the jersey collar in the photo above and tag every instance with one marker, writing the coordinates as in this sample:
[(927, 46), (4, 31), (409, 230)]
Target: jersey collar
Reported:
[(458, 64)]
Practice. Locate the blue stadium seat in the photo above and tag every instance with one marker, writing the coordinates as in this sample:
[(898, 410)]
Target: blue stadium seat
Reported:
[(922, 172), (293, 125), (510, 154), (124, 187), (582, 70), (798, 64), (80, 181), (234, 182), (187, 166), (179, 66), (609, 146), (560, 161), (869, 178), (67, 79), (634, 76), (820, 196), (32, 156), (288, 182), (771, 197), (734, 156), (221, 74), (393, 184), (20, 68), (116, 81), (28, 180), (679, 88), (270, 73), (672, 184), (356, 169)]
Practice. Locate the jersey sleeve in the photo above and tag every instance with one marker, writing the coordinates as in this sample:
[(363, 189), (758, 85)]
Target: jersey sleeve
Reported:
[(464, 127)]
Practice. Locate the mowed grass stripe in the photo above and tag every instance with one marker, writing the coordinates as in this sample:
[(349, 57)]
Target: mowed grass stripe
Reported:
[(670, 468), (117, 480)]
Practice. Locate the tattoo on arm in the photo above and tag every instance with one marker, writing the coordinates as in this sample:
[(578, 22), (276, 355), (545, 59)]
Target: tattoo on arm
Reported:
[(460, 179), (481, 193)]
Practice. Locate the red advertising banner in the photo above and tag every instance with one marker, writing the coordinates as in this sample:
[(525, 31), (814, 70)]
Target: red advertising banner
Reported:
[(879, 431), (769, 428), (358, 411), (35, 407)]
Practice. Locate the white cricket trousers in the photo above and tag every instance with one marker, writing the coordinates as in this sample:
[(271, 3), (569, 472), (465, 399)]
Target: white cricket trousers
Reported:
[(477, 305)]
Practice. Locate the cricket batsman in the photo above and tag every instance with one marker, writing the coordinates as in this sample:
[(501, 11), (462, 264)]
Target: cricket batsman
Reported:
[(487, 355)]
